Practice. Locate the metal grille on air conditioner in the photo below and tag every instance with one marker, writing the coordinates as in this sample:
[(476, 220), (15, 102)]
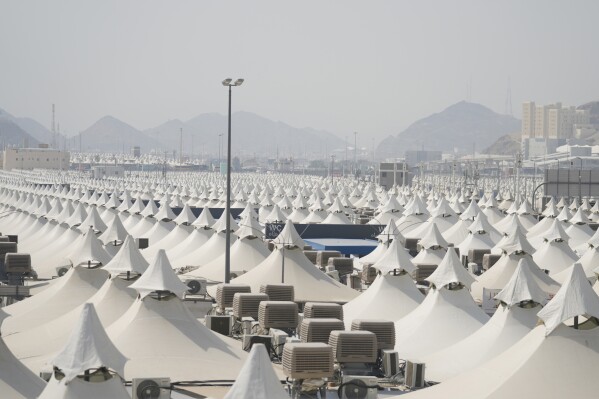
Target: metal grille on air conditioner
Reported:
[(278, 314), (353, 346), (278, 292), (318, 330), (383, 329), (247, 304), (320, 310), (225, 293), (307, 360)]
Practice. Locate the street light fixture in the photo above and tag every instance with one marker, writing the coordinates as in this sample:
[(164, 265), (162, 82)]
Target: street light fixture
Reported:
[(227, 83)]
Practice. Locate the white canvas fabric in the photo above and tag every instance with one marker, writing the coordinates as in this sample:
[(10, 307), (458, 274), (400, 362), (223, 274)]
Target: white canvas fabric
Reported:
[(79, 388), (257, 379), (401, 291), (575, 298), (127, 259), (396, 257), (522, 287), (16, 381), (159, 276), (449, 271), (88, 348), (289, 238)]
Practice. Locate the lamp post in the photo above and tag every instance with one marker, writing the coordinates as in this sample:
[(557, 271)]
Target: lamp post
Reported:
[(229, 83), (579, 180), (220, 135), (355, 147)]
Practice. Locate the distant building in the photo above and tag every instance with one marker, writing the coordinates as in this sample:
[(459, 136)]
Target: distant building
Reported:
[(35, 158), (394, 173), (551, 121), (100, 172), (424, 156), (545, 127), (136, 151)]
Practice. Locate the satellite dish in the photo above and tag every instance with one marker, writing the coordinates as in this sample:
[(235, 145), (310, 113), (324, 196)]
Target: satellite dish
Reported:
[(61, 271), (148, 389)]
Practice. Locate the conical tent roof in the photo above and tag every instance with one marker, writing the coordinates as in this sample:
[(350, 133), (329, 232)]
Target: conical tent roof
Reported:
[(390, 233), (288, 237), (88, 348), (249, 227), (450, 271), (522, 287), (127, 260), (575, 298), (257, 379), (221, 223), (433, 238), (186, 216), (114, 232), (165, 212), (88, 249), (205, 220), (396, 257), (159, 276)]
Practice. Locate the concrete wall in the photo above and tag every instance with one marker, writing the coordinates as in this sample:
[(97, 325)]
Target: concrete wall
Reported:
[(35, 158)]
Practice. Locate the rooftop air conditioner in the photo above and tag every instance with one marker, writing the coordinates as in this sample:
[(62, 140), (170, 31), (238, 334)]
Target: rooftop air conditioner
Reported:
[(62, 270), (277, 314), (383, 329), (278, 292), (17, 263), (359, 387), (318, 330), (7, 248), (342, 265), (197, 286), (247, 304), (319, 310), (368, 274), (225, 293), (390, 363), (220, 324), (151, 388), (414, 375), (353, 346), (307, 360)]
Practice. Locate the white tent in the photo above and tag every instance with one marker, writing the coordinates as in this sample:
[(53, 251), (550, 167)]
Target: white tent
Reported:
[(257, 379), (16, 381), (160, 336), (515, 317), (539, 364), (447, 315)]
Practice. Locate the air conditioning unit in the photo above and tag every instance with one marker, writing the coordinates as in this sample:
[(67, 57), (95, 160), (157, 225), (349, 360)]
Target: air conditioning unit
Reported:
[(278, 340), (359, 387), (7, 248), (197, 286), (247, 304), (151, 388), (4, 239), (226, 292), (17, 263), (342, 265), (368, 274), (318, 330), (334, 274), (354, 281), (62, 270), (319, 310), (353, 346), (414, 375), (220, 324), (383, 329), (477, 255), (307, 360), (142, 243), (277, 314), (278, 292), (390, 363), (322, 257)]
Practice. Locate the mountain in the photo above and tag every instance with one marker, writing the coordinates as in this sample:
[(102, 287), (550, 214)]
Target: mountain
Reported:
[(36, 129), (11, 134), (509, 144), (457, 127), (593, 108), (109, 134), (251, 134)]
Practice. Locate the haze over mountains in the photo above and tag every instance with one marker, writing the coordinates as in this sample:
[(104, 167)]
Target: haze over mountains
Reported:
[(456, 127), (459, 127)]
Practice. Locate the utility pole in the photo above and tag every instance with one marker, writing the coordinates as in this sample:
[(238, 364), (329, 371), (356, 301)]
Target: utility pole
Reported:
[(53, 126), (181, 146), (355, 148)]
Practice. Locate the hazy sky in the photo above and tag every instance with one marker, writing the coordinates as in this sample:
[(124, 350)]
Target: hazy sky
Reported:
[(367, 66)]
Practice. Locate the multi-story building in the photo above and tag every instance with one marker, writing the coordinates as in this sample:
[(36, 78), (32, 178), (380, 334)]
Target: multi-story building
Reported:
[(551, 121), (35, 158), (544, 127)]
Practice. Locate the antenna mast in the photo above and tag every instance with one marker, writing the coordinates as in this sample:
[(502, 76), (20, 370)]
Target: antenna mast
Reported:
[(53, 126)]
